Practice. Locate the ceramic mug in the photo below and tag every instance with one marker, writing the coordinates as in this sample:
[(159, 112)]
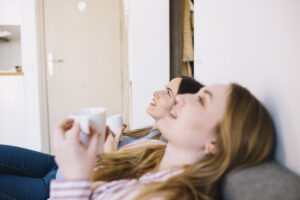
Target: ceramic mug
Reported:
[(114, 122), (95, 116)]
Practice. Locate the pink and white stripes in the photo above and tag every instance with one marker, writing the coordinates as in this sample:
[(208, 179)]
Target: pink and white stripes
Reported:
[(125, 189)]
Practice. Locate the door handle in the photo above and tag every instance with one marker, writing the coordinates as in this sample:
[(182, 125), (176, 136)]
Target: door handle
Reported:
[(57, 61), (50, 63)]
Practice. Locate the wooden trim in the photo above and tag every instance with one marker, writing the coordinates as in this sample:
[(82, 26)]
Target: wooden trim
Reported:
[(11, 73), (42, 76), (176, 38)]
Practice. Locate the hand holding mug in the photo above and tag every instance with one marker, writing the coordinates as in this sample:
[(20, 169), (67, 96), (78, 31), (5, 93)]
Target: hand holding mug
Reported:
[(112, 142), (75, 160)]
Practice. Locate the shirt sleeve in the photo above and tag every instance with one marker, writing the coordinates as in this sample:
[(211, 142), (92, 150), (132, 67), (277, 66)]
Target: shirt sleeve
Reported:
[(70, 189), (141, 143)]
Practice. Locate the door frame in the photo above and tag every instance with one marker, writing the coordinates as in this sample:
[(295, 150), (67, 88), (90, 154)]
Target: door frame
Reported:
[(42, 77)]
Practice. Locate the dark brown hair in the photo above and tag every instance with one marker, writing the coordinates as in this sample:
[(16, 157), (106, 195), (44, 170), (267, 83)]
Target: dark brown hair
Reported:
[(188, 85)]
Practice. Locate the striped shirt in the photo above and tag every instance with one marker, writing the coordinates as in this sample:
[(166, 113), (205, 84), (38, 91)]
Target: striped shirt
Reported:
[(126, 189)]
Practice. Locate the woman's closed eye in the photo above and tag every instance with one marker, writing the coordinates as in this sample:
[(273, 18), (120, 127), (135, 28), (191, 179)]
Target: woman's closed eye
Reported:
[(169, 92), (200, 99)]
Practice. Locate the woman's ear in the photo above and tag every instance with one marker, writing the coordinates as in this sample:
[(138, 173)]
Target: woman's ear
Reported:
[(211, 148)]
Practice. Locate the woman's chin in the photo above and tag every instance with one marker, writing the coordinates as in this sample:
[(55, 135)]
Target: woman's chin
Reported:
[(149, 110)]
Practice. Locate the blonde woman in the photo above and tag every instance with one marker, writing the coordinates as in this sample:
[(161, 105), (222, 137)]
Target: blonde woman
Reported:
[(218, 130)]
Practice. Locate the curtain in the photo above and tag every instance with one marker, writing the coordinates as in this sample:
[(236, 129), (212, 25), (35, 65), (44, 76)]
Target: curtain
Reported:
[(188, 47)]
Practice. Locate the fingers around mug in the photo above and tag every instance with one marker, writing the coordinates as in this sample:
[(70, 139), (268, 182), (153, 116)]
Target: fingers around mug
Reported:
[(108, 133), (74, 132), (59, 132), (94, 142), (109, 144), (66, 124), (120, 132), (93, 130)]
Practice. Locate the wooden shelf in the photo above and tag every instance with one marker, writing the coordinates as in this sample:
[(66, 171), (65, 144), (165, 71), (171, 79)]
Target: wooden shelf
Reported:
[(11, 73)]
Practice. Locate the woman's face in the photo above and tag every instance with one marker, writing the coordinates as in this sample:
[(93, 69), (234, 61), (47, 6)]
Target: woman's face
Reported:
[(163, 100), (191, 122)]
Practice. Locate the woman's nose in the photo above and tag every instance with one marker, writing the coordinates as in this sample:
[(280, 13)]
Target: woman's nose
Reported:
[(158, 93)]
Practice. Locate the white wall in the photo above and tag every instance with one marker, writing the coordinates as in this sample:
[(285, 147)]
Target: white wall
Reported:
[(20, 103), (12, 111), (10, 12), (13, 126), (32, 84), (148, 54), (255, 43)]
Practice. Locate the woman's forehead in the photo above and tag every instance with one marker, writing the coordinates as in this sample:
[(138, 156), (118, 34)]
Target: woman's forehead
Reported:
[(174, 84), (217, 89)]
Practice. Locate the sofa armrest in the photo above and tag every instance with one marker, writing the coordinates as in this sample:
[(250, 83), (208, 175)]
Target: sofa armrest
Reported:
[(267, 181)]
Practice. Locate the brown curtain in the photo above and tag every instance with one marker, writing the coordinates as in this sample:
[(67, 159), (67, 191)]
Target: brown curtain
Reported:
[(188, 48)]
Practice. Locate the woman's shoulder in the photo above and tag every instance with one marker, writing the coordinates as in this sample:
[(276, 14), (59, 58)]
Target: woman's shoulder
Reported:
[(142, 143)]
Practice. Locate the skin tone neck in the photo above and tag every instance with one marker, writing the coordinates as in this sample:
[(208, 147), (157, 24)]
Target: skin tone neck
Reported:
[(155, 125), (179, 157)]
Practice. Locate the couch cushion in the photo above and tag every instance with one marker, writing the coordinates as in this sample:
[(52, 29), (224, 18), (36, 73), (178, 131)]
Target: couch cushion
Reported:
[(267, 181)]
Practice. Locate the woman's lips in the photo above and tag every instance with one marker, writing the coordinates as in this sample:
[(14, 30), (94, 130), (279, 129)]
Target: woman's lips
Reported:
[(153, 103)]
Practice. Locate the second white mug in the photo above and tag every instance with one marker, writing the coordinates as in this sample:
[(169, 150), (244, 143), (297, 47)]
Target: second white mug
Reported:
[(114, 122)]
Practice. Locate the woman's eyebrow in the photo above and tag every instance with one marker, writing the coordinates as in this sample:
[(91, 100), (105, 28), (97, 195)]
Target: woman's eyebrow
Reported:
[(209, 93)]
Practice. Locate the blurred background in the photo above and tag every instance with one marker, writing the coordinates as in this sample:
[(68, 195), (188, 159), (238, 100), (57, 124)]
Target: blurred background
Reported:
[(57, 56)]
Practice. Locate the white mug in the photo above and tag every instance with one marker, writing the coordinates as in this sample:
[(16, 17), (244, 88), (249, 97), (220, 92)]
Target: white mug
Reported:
[(95, 116), (114, 122)]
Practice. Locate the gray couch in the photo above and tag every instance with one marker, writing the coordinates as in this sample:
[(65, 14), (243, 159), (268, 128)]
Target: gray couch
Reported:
[(267, 181)]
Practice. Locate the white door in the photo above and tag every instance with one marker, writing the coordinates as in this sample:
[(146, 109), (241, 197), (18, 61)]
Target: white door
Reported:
[(83, 57)]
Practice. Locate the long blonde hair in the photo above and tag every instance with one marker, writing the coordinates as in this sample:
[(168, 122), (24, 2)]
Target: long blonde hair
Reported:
[(246, 137)]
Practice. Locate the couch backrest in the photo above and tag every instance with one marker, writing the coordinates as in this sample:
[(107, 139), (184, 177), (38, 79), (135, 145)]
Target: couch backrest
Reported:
[(267, 181)]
